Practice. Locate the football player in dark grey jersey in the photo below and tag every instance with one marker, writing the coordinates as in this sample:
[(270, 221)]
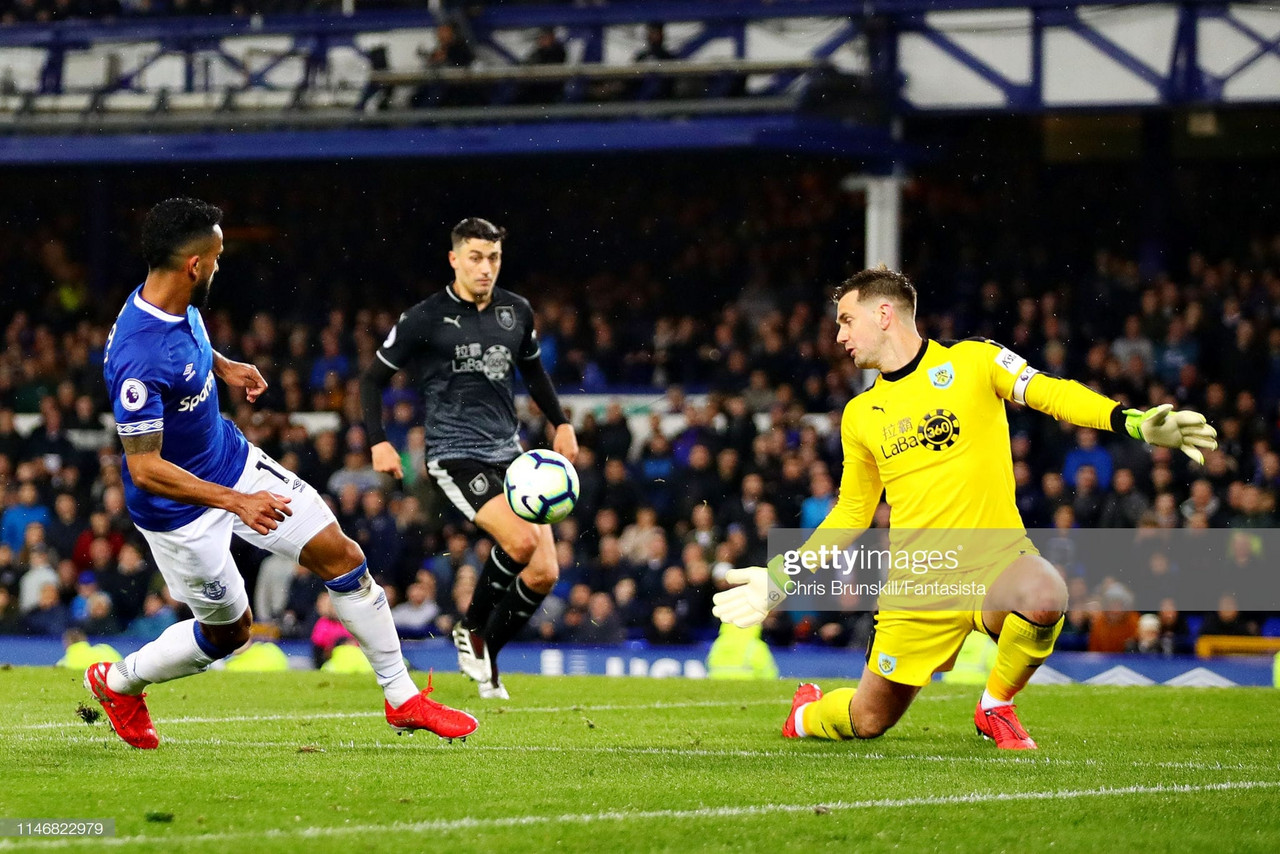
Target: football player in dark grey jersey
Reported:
[(460, 345)]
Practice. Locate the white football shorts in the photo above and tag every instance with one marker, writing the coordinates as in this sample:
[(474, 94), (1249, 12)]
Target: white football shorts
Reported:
[(196, 561)]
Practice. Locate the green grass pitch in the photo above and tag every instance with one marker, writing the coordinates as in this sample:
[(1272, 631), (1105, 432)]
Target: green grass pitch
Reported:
[(304, 762)]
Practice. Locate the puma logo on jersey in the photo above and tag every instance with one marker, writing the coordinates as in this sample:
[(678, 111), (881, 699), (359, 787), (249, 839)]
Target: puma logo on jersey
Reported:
[(189, 403), (456, 320), (877, 409)]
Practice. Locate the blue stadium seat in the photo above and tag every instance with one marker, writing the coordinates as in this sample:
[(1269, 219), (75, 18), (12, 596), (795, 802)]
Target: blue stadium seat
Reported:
[(1194, 622), (1271, 627)]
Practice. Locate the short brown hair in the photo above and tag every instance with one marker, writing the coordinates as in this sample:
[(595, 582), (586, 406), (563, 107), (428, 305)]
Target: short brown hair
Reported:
[(879, 282)]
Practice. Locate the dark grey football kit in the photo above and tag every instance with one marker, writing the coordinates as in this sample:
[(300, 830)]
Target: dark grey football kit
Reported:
[(461, 360)]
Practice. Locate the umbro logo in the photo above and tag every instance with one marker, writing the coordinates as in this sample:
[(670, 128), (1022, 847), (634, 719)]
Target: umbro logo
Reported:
[(456, 321), (189, 371)]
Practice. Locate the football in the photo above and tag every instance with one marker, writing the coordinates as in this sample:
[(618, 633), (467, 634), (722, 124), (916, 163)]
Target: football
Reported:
[(542, 486)]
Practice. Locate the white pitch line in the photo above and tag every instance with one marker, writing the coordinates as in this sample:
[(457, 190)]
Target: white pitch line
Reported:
[(500, 710), (89, 737), (447, 825)]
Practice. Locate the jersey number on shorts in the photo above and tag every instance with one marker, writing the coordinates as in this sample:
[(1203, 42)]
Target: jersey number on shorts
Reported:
[(260, 464)]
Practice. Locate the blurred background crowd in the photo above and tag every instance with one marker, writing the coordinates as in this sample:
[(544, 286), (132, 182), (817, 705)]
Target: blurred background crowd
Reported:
[(696, 300)]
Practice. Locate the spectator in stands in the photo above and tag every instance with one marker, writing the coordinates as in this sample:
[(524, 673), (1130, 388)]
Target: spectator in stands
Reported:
[(28, 509), (1113, 624), (1203, 500), (416, 616), (665, 628), (1228, 620), (635, 542), (451, 51), (157, 615), (1149, 640), (50, 617), (602, 626), (100, 620), (1134, 343), (127, 583), (358, 471), (655, 50), (547, 50), (65, 526), (39, 573), (821, 499), (1087, 452), (1125, 506)]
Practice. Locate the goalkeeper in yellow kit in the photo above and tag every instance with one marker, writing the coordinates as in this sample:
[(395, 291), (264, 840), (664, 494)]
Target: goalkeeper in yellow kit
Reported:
[(931, 432)]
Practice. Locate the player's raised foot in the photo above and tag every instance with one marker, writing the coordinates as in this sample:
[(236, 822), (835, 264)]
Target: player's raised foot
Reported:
[(805, 694), (421, 713), (127, 713), (1001, 725), (473, 654)]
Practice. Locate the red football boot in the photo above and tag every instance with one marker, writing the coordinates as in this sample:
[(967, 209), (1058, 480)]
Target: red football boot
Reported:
[(1002, 725), (421, 713), (127, 712), (806, 693)]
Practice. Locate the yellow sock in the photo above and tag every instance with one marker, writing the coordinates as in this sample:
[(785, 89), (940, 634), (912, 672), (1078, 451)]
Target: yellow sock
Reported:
[(829, 717), (1023, 646)]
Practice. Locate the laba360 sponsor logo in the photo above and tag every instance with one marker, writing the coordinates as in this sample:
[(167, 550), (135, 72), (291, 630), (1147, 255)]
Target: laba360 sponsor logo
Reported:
[(938, 429)]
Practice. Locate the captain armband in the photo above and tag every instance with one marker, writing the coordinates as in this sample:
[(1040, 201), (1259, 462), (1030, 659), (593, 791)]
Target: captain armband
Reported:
[(1021, 383)]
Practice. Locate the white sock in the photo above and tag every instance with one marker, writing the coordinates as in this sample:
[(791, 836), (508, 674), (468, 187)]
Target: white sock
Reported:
[(365, 613), (800, 721), (171, 656), (990, 702)]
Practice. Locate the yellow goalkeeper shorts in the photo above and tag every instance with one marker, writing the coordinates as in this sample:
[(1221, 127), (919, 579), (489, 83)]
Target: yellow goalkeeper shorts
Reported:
[(909, 646)]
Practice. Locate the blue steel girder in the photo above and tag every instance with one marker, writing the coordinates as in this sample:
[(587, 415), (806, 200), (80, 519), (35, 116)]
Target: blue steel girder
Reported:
[(849, 32), (1185, 81), (1017, 95), (1265, 46)]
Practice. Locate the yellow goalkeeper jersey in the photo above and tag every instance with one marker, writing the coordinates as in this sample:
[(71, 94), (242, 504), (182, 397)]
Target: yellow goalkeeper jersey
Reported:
[(934, 436)]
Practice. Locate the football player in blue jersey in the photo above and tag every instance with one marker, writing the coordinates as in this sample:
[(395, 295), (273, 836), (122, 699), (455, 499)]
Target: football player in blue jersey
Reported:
[(192, 480)]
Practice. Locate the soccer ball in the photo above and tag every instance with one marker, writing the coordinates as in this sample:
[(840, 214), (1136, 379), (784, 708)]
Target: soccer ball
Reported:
[(542, 486)]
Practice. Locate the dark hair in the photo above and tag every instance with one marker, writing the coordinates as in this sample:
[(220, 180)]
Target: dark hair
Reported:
[(173, 224), (879, 282), (473, 227)]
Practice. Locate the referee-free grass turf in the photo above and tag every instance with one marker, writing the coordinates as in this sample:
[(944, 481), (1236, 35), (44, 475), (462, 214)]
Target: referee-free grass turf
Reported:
[(305, 762)]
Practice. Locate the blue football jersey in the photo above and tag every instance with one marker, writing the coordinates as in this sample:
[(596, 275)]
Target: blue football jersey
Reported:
[(159, 372)]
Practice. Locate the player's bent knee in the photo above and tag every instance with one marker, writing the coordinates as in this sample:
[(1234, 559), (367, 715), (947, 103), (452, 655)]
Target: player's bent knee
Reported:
[(219, 641), (541, 575), (523, 544), (352, 554), (1043, 618), (871, 726)]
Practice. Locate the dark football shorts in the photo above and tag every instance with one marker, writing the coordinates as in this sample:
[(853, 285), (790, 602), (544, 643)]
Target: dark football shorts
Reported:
[(469, 484)]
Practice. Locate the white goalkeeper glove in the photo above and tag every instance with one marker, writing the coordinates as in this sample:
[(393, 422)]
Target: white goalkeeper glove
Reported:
[(1187, 431), (756, 593)]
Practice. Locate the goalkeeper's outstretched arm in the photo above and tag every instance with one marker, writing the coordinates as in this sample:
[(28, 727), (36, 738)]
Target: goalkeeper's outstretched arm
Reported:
[(1067, 400)]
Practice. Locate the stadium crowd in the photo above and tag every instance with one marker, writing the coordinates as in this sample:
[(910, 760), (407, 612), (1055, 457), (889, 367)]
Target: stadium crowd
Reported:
[(722, 325)]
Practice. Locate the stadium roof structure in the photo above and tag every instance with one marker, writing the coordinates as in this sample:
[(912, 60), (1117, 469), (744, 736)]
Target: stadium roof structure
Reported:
[(813, 76)]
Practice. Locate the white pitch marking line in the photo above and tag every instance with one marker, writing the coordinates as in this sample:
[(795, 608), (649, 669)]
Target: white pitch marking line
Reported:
[(405, 744), (502, 710), (446, 825)]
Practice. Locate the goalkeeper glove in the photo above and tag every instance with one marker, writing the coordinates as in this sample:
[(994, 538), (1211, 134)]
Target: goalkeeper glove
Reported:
[(758, 590), (1187, 431)]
